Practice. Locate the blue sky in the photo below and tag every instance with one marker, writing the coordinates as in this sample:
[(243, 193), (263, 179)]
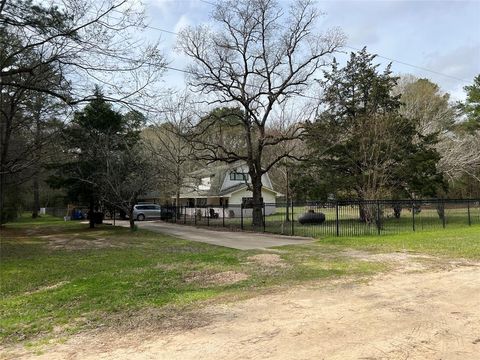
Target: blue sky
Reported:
[(443, 36)]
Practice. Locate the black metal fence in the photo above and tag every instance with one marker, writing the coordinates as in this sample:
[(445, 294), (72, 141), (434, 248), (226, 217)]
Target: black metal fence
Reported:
[(341, 218)]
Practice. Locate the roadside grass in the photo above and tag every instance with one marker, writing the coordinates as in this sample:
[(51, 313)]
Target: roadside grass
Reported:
[(458, 242), (58, 278)]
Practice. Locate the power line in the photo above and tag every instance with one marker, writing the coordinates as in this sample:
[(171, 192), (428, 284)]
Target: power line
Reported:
[(413, 66), (162, 30), (352, 48)]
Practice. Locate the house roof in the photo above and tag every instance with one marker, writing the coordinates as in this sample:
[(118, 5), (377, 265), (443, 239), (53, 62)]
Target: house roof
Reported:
[(210, 170), (217, 175)]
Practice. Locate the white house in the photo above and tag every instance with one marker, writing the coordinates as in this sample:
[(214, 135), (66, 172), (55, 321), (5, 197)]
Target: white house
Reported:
[(223, 188)]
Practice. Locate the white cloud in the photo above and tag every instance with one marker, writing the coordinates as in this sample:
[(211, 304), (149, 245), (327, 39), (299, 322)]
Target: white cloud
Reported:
[(162, 5), (183, 22), (461, 62)]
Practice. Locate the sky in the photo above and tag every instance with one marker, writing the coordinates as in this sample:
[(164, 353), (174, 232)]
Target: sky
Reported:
[(440, 36)]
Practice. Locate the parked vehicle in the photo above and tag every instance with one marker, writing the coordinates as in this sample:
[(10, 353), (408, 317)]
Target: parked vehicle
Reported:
[(151, 211)]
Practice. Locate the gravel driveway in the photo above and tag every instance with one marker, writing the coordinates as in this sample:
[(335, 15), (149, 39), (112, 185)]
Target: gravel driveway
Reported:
[(235, 240)]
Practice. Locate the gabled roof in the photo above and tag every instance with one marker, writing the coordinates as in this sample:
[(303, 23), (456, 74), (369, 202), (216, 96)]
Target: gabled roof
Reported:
[(217, 176), (210, 170)]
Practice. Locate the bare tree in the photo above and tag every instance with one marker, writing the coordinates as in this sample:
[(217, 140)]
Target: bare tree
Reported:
[(125, 176), (86, 42), (258, 58), (27, 126), (423, 101), (165, 141), (61, 49), (460, 155)]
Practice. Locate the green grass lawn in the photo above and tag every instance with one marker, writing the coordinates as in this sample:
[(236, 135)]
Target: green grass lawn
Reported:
[(454, 242), (62, 277), (58, 277)]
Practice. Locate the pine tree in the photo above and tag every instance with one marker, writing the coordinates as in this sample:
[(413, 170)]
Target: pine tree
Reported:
[(361, 146)]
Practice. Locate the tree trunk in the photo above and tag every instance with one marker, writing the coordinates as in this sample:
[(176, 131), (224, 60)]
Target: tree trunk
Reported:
[(257, 211), (177, 206), (131, 220), (36, 196), (287, 207), (92, 214), (3, 217), (366, 213), (5, 132), (36, 154)]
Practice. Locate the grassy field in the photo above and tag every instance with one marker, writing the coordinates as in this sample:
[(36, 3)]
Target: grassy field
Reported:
[(452, 243), (58, 278), (61, 277)]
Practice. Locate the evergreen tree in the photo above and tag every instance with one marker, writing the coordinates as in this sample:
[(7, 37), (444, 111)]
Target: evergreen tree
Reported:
[(471, 107), (92, 136), (361, 146)]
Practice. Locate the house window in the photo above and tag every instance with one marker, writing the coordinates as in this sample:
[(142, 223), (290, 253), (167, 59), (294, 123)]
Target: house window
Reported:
[(237, 176)]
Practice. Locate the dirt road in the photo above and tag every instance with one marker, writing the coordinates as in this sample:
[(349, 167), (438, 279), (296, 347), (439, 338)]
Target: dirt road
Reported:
[(405, 314)]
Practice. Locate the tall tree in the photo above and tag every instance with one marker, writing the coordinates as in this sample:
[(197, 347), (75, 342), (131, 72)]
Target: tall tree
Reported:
[(60, 49), (165, 140), (25, 126), (257, 58), (127, 173), (471, 106), (361, 145), (424, 102), (460, 155), (90, 138)]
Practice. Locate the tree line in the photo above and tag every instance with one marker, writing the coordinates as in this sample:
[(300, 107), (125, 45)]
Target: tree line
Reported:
[(264, 88)]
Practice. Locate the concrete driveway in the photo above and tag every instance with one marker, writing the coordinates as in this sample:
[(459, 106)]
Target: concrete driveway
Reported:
[(235, 240)]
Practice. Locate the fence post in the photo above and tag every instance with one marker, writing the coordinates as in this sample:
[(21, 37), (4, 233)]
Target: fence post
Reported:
[(293, 220), (378, 217), (195, 215), (413, 214), (241, 216), (443, 212), (185, 214), (264, 217), (337, 223), (208, 216), (223, 214), (469, 216)]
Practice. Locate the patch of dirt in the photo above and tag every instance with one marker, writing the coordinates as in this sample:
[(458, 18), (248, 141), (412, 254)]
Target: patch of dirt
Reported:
[(222, 278), (427, 314), (400, 261), (49, 287), (166, 267), (268, 260), (394, 256), (416, 315), (408, 262), (161, 320), (58, 242)]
